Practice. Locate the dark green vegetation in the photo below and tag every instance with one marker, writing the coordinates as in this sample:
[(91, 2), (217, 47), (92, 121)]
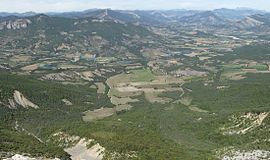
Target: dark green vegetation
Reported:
[(252, 52), (52, 115), (139, 130), (153, 131), (248, 95), (19, 142), (232, 99)]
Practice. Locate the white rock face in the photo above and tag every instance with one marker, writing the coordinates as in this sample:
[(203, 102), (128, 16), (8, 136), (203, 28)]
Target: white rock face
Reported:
[(77, 147), (21, 157), (249, 155), (12, 104), (15, 24), (67, 102), (22, 101), (81, 152)]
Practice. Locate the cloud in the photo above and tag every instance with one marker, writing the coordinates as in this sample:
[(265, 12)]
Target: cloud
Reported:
[(78, 5)]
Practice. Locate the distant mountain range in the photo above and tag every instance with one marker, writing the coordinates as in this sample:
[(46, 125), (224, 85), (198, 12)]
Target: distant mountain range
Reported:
[(232, 14), (241, 18), (43, 32), (26, 14)]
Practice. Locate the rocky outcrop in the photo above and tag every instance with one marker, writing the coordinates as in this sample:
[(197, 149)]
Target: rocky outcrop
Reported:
[(22, 101), (15, 24), (79, 148), (67, 102), (19, 100), (244, 124), (22, 157), (242, 155)]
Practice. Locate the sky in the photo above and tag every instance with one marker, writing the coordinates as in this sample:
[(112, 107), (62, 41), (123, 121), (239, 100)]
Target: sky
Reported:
[(79, 5)]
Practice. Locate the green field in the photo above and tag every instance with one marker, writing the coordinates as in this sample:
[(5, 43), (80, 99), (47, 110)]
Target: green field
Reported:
[(144, 75)]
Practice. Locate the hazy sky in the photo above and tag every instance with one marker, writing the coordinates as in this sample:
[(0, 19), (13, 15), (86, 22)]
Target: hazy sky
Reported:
[(78, 5)]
